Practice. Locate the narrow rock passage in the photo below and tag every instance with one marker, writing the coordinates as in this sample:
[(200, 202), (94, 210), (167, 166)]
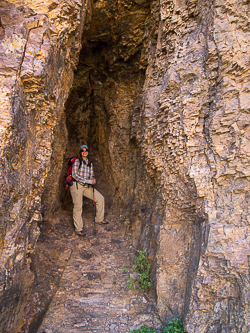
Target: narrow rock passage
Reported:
[(92, 295)]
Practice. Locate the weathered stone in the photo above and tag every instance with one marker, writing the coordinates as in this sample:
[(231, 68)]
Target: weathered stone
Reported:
[(36, 75), (195, 87), (161, 96), (93, 295)]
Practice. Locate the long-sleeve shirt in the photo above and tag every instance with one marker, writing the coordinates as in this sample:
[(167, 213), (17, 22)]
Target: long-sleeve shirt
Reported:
[(83, 175)]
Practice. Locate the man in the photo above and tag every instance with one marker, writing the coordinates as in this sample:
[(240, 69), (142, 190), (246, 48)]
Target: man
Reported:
[(83, 179)]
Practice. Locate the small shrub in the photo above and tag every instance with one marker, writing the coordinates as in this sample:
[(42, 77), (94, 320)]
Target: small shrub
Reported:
[(144, 329), (141, 267), (174, 326)]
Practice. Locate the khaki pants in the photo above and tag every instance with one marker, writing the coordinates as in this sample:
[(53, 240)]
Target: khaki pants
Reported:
[(77, 192)]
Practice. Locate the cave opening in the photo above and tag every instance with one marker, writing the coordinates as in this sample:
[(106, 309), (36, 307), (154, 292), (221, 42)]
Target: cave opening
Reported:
[(102, 111), (106, 96)]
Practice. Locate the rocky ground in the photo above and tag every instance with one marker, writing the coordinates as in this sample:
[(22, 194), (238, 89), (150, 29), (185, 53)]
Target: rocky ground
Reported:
[(92, 295)]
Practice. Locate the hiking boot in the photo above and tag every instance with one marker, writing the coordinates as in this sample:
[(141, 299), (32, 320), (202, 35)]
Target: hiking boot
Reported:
[(80, 233), (104, 222)]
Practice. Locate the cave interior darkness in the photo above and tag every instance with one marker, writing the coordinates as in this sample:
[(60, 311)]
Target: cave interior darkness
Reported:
[(105, 97)]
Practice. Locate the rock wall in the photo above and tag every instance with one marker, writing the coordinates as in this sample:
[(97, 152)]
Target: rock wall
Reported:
[(161, 95), (40, 43), (195, 134)]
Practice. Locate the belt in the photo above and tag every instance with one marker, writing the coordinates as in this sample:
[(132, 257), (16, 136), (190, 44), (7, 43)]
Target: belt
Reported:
[(84, 185)]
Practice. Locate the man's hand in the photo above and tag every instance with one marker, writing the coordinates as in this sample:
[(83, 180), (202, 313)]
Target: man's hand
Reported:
[(93, 181)]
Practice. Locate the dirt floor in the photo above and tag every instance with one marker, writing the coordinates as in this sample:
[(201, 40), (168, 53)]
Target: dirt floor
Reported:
[(91, 294)]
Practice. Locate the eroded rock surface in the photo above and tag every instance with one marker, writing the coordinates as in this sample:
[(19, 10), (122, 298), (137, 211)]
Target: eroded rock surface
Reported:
[(92, 296), (196, 102), (161, 94), (40, 43)]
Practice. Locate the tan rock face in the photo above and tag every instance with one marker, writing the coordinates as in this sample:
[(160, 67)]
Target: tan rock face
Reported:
[(161, 96), (39, 49), (191, 123)]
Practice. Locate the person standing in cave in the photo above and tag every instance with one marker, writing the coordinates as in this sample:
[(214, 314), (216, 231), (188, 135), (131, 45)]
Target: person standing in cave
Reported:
[(83, 181)]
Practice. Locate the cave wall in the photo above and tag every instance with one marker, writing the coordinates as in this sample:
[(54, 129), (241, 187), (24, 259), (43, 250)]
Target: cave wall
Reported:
[(40, 44), (195, 133), (161, 96)]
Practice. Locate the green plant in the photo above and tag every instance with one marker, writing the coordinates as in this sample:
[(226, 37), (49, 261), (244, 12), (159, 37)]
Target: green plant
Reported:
[(174, 326), (144, 329), (141, 267)]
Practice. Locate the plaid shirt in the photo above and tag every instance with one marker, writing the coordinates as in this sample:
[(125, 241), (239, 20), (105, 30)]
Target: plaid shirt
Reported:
[(83, 175)]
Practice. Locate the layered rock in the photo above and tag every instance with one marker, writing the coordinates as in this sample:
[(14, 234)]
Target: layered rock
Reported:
[(161, 96), (195, 134), (40, 43)]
